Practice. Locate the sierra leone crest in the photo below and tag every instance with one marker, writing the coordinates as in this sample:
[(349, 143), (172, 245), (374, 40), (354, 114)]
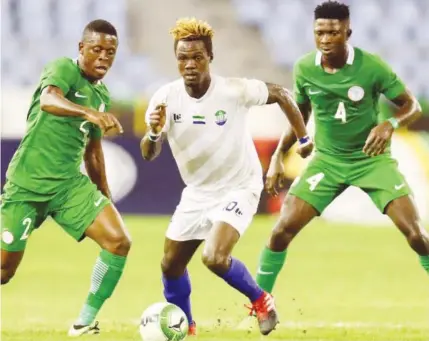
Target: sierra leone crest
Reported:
[(220, 117)]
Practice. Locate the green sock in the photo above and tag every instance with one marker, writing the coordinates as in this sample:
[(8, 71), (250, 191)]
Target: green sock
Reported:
[(424, 261), (270, 265), (106, 274)]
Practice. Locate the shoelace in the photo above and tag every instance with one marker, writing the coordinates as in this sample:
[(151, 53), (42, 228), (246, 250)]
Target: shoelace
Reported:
[(252, 311)]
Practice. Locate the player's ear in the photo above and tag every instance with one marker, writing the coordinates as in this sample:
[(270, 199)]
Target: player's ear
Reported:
[(80, 47), (349, 33)]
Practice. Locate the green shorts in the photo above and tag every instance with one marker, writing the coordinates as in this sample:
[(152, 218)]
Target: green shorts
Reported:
[(326, 177), (74, 207)]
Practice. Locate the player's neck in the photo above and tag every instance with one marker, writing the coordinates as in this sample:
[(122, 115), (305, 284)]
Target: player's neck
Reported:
[(82, 71), (199, 90), (335, 63)]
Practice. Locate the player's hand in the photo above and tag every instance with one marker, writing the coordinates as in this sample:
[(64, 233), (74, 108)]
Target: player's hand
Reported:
[(276, 175), (305, 150), (107, 122), (378, 139), (157, 118)]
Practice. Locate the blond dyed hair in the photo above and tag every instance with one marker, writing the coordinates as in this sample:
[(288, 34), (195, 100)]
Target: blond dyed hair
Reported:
[(189, 29)]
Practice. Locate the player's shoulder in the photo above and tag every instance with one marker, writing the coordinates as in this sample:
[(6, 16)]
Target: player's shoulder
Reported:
[(306, 63), (170, 89), (62, 63), (369, 58), (235, 85)]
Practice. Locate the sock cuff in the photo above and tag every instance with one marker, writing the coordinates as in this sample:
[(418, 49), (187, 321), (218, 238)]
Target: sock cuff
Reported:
[(424, 260), (112, 259), (273, 256)]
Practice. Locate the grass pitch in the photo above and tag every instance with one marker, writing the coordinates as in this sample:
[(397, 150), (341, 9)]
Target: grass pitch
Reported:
[(343, 283)]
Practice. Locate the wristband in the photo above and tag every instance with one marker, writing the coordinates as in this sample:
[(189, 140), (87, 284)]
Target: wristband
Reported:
[(394, 122), (304, 140), (154, 137)]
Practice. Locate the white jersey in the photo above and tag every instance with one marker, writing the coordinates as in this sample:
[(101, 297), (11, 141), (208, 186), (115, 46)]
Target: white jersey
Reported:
[(208, 136)]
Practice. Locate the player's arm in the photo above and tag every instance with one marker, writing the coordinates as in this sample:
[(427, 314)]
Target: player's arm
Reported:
[(53, 101), (151, 143), (275, 173), (288, 137), (281, 96), (409, 109), (95, 167)]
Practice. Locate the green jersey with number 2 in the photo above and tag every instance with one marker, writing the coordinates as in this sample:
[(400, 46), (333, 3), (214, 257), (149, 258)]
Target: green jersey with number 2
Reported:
[(345, 103), (52, 149)]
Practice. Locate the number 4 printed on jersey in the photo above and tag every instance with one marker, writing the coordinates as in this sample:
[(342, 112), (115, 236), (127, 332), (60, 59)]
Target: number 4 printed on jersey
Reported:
[(341, 113)]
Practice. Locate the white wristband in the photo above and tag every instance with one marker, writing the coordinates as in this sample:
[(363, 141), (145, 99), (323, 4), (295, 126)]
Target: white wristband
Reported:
[(154, 137)]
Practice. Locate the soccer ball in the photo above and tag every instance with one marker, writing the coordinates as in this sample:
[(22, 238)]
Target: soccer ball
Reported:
[(163, 322)]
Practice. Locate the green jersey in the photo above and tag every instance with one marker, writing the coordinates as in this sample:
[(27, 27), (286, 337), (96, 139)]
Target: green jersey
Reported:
[(345, 104), (52, 149)]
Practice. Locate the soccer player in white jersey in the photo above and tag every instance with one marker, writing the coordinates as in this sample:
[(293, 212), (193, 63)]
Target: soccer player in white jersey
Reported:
[(203, 117)]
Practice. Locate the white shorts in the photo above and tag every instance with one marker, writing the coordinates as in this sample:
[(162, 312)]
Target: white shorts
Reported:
[(196, 213)]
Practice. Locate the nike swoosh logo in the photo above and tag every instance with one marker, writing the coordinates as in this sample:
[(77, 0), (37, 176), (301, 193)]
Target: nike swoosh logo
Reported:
[(260, 272), (98, 202), (77, 94), (314, 92), (398, 187)]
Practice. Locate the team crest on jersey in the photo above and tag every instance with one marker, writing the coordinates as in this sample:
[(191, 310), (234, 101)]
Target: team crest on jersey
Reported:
[(220, 117), (356, 93)]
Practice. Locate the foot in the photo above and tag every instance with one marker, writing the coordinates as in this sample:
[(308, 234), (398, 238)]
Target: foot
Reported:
[(266, 313), (77, 330), (192, 331)]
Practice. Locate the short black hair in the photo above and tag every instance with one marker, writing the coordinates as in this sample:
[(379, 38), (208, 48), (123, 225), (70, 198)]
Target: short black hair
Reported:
[(100, 26), (332, 10)]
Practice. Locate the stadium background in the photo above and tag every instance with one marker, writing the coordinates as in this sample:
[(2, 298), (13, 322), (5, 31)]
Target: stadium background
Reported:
[(253, 38)]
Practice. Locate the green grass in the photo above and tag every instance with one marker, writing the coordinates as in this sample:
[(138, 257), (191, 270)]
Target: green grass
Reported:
[(340, 283)]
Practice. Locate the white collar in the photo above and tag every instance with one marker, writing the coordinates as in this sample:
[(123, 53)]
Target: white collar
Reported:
[(350, 57)]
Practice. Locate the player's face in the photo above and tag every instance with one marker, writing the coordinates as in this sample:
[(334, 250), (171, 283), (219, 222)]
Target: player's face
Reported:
[(330, 36), (96, 54), (193, 61)]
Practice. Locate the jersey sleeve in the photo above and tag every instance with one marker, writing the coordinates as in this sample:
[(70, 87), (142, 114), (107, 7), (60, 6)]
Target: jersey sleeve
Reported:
[(255, 92), (95, 132), (298, 89), (159, 97), (61, 73), (388, 82)]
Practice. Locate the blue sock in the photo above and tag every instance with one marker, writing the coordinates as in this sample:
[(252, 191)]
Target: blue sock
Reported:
[(178, 291), (240, 278)]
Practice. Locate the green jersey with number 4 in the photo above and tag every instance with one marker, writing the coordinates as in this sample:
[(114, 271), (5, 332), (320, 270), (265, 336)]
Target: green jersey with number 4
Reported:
[(345, 103), (51, 151)]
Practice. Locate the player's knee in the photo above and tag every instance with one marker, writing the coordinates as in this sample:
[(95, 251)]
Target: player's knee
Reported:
[(172, 267), (282, 234), (418, 242), (6, 275), (118, 244), (216, 262)]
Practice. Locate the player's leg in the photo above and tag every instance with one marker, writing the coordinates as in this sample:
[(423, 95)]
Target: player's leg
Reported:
[(309, 195), (403, 213), (230, 220), (18, 220), (381, 179), (83, 211), (295, 215), (175, 276)]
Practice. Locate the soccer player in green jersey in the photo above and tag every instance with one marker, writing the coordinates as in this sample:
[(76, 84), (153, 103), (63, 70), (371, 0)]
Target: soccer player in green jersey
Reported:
[(66, 120), (342, 84)]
